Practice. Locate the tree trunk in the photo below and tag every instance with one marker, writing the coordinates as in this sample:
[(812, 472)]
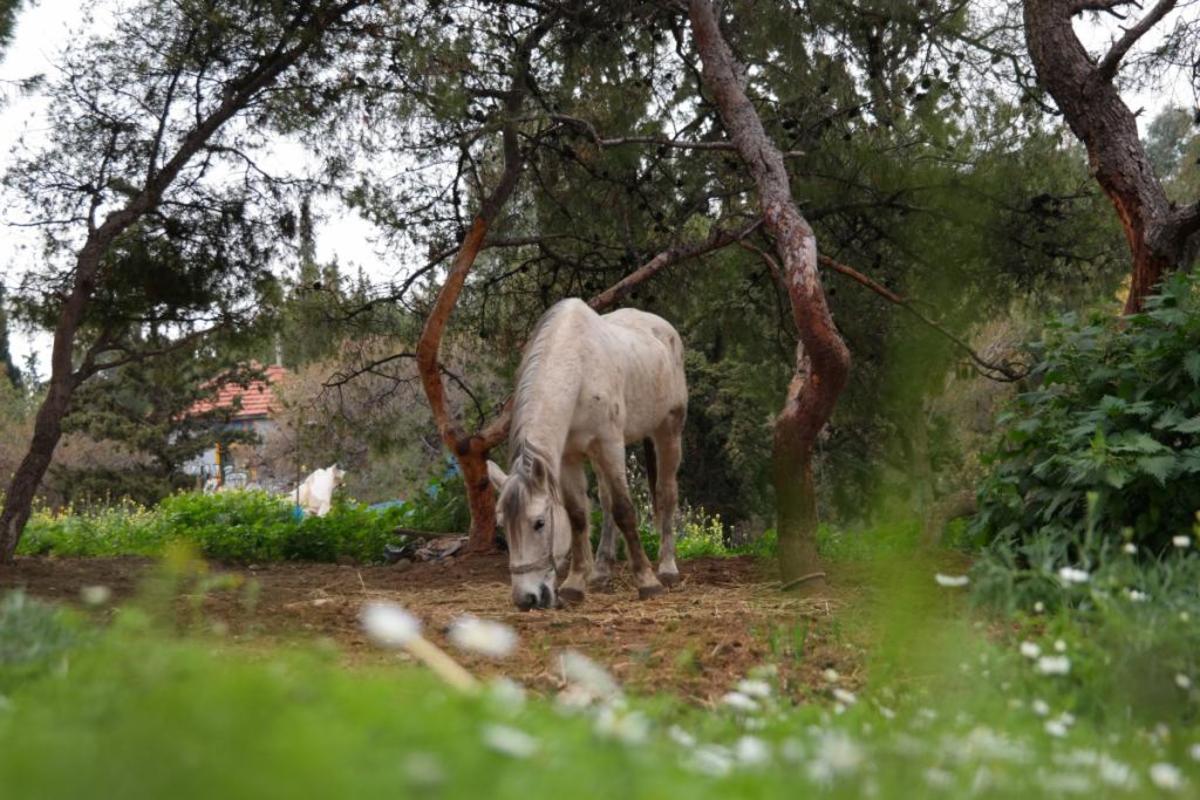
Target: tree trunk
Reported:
[(471, 451), (64, 377), (468, 451), (47, 427), (822, 359), (1085, 91), (481, 498), (18, 500)]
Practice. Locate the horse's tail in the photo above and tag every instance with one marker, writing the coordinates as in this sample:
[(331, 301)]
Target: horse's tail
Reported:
[(651, 469)]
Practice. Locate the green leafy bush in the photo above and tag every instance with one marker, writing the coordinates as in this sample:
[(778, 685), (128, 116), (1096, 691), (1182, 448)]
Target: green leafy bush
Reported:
[(1106, 448), (441, 508), (229, 526)]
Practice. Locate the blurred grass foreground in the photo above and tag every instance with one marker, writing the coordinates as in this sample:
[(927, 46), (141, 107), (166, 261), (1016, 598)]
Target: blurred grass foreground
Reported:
[(1096, 697)]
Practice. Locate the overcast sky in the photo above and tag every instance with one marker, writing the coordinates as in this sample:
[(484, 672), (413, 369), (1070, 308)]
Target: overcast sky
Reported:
[(46, 27)]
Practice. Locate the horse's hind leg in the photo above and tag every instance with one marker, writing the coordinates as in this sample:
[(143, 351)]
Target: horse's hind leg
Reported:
[(609, 460), (600, 579), (667, 447), (573, 483)]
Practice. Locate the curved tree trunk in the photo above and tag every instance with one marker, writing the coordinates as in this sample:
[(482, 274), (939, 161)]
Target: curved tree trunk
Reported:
[(1086, 93), (471, 451), (822, 359)]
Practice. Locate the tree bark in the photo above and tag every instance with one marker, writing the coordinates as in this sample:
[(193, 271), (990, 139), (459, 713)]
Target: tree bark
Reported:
[(471, 451), (64, 377), (1085, 92), (822, 359)]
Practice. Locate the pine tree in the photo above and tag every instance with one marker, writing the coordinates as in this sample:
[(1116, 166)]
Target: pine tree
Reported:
[(7, 367)]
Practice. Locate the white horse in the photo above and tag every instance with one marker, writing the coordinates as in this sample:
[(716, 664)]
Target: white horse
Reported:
[(315, 494), (587, 385)]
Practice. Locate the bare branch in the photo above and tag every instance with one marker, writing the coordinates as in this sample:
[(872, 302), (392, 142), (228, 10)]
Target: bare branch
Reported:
[(621, 289), (660, 141), (1079, 6), (1107, 68)]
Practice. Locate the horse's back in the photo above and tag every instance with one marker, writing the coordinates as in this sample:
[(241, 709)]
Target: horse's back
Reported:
[(650, 352)]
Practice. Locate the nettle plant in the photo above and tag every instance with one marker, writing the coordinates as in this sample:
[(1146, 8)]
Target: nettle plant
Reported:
[(1105, 451)]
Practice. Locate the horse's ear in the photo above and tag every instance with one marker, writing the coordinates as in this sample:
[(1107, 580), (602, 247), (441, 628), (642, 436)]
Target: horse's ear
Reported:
[(496, 475), (537, 471)]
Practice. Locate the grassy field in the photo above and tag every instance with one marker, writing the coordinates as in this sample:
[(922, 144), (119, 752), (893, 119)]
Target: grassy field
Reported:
[(1092, 698)]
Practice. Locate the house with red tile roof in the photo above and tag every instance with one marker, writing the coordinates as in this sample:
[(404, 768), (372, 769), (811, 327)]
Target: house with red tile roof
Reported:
[(255, 405)]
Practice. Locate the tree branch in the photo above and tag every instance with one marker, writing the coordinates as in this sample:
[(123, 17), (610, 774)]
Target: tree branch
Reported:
[(1107, 68), (660, 141)]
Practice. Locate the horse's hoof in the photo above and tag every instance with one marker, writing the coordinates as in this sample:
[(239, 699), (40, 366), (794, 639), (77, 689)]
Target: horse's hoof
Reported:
[(646, 592), (669, 579), (570, 596)]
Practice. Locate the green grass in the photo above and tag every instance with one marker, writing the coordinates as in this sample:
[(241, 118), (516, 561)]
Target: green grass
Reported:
[(950, 706)]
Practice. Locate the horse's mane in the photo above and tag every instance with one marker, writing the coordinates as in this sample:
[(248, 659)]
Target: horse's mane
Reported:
[(529, 465), (527, 374)]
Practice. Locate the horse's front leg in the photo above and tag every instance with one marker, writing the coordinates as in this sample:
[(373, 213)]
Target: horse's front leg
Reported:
[(573, 483), (600, 578)]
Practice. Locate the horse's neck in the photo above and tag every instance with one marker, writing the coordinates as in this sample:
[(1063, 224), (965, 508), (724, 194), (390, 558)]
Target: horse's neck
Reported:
[(545, 425), (545, 417)]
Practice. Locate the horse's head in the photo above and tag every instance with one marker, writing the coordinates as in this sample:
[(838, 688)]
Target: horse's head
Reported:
[(537, 527)]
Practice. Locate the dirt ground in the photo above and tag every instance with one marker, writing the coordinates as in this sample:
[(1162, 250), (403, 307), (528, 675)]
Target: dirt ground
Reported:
[(697, 641)]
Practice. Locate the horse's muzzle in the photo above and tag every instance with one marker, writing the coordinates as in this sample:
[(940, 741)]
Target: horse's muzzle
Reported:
[(527, 600)]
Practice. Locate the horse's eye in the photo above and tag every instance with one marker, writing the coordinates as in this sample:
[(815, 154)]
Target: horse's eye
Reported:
[(539, 524)]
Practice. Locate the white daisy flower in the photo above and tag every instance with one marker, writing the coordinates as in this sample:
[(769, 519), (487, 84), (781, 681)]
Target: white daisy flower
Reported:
[(1060, 645), (1053, 665), (1039, 607), (1166, 776), (1040, 707), (1056, 728), (844, 696), (1194, 752), (951, 580), (1116, 773), (1181, 542), (509, 741), (581, 671), (754, 688), (1183, 681), (486, 637), (1130, 548), (681, 737), (710, 759), (831, 675), (1136, 595), (1030, 649), (752, 751), (836, 754), (95, 595), (740, 702), (389, 625), (1070, 575), (630, 727)]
